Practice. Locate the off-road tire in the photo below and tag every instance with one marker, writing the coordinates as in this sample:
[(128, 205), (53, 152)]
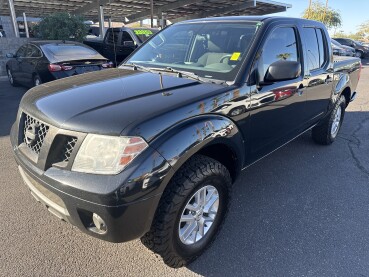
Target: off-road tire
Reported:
[(321, 133), (163, 237)]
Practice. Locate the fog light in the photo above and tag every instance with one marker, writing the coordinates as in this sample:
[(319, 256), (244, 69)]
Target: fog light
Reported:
[(100, 226)]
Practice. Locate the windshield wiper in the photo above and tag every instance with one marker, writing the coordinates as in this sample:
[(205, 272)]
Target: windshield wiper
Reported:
[(194, 76), (180, 73), (140, 67)]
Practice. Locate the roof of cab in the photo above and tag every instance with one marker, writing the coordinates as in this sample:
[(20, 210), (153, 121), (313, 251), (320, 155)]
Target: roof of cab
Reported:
[(250, 19)]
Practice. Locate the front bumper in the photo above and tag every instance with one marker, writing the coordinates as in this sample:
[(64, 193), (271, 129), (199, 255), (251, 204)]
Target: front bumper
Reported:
[(126, 202)]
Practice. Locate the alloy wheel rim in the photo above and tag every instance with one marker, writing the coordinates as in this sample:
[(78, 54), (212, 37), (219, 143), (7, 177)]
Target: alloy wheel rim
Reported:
[(198, 215), (336, 122)]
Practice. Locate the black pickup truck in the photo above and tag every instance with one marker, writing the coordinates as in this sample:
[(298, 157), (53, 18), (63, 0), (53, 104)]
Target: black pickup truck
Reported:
[(119, 43), (151, 149)]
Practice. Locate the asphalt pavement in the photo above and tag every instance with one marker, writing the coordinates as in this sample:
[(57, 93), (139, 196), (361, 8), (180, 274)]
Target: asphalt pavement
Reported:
[(302, 211)]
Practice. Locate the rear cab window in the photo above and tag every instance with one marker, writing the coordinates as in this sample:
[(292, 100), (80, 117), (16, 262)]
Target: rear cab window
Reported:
[(112, 36)]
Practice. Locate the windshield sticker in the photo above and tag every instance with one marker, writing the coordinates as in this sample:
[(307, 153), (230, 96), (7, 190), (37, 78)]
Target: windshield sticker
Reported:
[(143, 32), (235, 56)]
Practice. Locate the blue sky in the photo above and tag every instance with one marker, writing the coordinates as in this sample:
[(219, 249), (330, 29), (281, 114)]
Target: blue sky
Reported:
[(353, 12)]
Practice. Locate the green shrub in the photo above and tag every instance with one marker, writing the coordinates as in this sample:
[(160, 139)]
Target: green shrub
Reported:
[(62, 26)]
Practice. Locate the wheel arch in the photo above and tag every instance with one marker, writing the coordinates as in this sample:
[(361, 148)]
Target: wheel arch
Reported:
[(214, 136)]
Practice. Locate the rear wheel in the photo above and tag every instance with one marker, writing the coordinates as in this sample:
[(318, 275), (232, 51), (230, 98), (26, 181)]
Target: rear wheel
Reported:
[(327, 131), (191, 211), (11, 77)]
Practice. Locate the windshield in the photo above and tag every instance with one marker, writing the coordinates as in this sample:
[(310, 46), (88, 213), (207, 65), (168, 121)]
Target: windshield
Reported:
[(144, 34), (213, 50)]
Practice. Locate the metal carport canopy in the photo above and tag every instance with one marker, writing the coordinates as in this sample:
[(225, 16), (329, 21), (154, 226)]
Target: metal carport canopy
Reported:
[(135, 10)]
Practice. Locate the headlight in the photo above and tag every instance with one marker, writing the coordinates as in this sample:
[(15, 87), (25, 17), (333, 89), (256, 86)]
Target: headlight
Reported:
[(107, 154)]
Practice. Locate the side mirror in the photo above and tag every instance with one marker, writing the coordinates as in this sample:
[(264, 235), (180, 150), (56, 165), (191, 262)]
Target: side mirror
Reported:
[(129, 43), (10, 55), (282, 71)]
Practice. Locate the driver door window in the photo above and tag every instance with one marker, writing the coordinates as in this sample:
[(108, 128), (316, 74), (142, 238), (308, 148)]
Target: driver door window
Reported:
[(280, 45)]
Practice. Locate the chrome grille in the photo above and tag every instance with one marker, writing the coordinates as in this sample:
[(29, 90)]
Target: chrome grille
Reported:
[(68, 148), (34, 133)]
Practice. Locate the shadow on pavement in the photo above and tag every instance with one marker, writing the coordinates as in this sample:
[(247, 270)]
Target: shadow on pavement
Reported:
[(9, 102), (301, 211)]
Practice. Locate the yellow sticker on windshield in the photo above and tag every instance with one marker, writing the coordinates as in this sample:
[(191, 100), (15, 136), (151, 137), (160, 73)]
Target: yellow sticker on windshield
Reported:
[(235, 56)]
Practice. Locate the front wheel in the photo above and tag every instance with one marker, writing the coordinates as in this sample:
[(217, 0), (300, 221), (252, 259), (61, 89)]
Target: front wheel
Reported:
[(191, 211), (326, 132)]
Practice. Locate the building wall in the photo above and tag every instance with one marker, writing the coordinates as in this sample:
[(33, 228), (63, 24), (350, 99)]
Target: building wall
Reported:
[(6, 22), (9, 45)]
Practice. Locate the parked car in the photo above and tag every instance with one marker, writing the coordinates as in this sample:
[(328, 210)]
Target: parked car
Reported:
[(338, 51), (342, 50), (143, 150), (119, 43), (39, 62), (361, 51)]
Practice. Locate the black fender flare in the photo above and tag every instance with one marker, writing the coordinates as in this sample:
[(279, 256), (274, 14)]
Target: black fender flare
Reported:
[(180, 142)]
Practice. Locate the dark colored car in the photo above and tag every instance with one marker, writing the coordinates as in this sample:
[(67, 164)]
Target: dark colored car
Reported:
[(39, 62), (151, 149), (361, 50), (342, 50), (119, 43)]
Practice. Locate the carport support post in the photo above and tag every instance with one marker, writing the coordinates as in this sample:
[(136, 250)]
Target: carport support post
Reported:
[(152, 13), (13, 18), (25, 24), (101, 21)]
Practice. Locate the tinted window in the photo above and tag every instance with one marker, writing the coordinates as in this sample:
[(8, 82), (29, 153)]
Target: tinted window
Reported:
[(126, 37), (343, 41), (280, 45), (68, 51), (321, 44), (112, 36), (22, 51), (33, 51), (312, 49)]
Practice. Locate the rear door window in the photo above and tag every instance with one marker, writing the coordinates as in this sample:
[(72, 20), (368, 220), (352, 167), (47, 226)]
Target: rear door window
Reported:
[(322, 47), (126, 37), (112, 37), (315, 48), (21, 53), (33, 52)]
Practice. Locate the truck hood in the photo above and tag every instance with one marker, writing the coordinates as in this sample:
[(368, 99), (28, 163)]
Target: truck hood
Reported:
[(108, 101)]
